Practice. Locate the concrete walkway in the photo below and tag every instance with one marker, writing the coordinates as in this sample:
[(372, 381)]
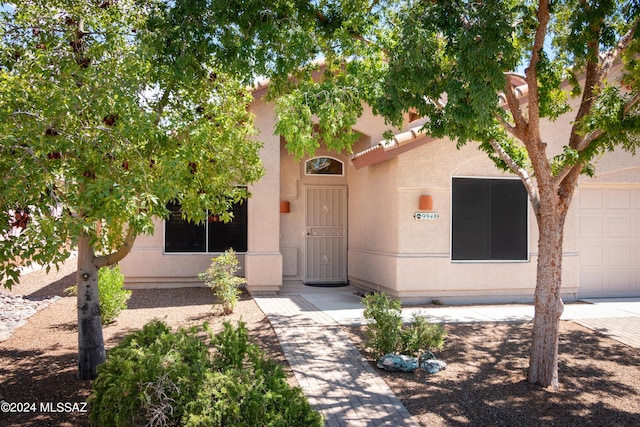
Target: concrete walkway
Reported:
[(347, 390), (329, 368)]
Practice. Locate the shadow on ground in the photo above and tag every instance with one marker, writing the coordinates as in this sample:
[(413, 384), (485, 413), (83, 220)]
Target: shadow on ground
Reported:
[(485, 381), (54, 288), (36, 382)]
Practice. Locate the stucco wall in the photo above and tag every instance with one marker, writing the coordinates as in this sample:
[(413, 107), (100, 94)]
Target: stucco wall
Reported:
[(388, 249), (147, 266), (411, 259)]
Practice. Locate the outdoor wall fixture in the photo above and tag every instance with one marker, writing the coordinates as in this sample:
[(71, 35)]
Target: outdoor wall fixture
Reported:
[(426, 203), (285, 207)]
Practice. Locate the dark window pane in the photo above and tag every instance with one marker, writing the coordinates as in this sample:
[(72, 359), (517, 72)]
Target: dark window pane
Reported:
[(181, 235), (471, 227), (230, 235), (489, 219), (508, 220)]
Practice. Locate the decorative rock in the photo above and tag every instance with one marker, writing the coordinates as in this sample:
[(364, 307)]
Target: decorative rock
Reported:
[(398, 362), (431, 364), (15, 310)]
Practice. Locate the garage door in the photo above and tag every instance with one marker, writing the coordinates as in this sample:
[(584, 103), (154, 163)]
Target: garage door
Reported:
[(609, 241)]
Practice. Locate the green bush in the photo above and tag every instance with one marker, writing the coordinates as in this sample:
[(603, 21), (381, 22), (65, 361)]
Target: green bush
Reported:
[(385, 332), (385, 323), (157, 377), (421, 336), (111, 293), (113, 297), (220, 277)]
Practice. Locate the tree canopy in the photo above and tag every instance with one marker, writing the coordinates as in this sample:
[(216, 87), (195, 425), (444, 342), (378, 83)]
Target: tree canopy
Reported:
[(449, 61), (104, 118)]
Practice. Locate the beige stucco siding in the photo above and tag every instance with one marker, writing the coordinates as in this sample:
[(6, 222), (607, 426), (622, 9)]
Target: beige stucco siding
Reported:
[(263, 261), (387, 248), (147, 266), (412, 259)]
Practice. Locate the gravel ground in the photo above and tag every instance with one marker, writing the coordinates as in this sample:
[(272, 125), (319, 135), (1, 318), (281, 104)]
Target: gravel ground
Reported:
[(485, 380), (484, 384)]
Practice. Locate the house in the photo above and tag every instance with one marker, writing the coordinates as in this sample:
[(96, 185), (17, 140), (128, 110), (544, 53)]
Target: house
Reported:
[(412, 216)]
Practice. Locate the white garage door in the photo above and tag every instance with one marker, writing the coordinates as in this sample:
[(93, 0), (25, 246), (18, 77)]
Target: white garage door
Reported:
[(609, 241)]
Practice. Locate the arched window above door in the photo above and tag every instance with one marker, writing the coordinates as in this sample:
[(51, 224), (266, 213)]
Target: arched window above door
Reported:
[(324, 166)]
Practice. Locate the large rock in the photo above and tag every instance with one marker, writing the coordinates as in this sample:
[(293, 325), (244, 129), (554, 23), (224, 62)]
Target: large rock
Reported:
[(431, 364), (400, 363)]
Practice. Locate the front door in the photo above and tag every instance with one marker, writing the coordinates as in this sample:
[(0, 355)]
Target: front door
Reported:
[(326, 235)]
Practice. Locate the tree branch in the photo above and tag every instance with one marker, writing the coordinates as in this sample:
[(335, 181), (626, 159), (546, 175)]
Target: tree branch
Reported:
[(531, 73), (508, 126), (163, 103), (610, 56), (521, 172), (514, 106), (593, 79), (592, 136), (120, 253)]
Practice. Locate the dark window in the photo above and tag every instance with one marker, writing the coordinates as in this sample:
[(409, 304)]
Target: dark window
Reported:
[(489, 220), (213, 236)]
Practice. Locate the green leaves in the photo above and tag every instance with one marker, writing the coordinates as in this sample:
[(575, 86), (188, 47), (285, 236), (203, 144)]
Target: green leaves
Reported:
[(157, 375), (102, 123), (335, 104), (446, 61), (220, 277), (386, 333)]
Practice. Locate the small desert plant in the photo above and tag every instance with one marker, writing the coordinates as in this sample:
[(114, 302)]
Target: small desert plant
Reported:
[(385, 323), (220, 277), (113, 297), (421, 336), (111, 293), (157, 377), (385, 332)]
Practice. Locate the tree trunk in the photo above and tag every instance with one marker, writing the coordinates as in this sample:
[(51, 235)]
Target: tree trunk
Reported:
[(543, 362), (91, 352)]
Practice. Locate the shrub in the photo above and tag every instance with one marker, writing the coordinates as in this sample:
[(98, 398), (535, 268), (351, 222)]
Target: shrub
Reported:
[(385, 332), (220, 277), (247, 389), (113, 297), (111, 293), (421, 336), (157, 377)]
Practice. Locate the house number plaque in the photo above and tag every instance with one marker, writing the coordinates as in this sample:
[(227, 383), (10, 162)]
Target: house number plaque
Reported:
[(426, 216)]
